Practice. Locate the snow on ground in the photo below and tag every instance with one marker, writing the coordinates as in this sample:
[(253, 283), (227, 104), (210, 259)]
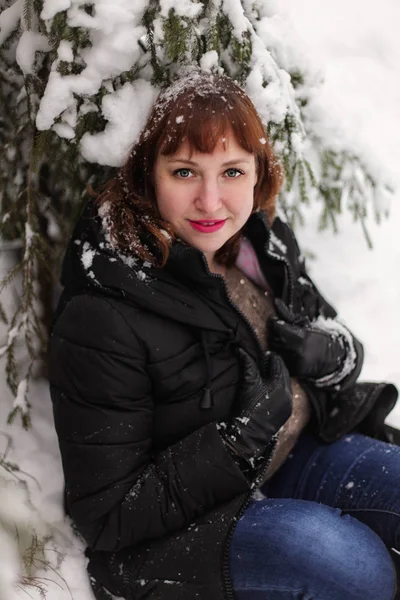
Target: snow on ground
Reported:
[(359, 49)]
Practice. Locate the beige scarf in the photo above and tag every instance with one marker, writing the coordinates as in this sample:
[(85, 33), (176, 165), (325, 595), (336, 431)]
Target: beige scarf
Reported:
[(257, 305)]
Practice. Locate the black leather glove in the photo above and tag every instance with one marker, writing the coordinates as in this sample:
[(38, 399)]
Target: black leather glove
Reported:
[(264, 405), (322, 351)]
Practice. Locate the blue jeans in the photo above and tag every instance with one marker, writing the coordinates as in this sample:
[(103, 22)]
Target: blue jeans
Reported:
[(323, 531)]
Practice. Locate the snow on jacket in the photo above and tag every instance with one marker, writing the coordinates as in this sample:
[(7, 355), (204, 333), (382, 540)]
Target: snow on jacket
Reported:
[(134, 353)]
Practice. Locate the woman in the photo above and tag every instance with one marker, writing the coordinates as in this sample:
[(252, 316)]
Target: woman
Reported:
[(171, 413)]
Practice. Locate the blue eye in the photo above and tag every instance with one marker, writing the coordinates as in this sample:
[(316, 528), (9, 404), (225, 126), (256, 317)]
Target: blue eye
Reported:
[(233, 173), (183, 173)]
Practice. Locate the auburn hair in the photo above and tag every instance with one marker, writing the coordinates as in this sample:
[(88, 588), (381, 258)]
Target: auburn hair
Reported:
[(199, 108)]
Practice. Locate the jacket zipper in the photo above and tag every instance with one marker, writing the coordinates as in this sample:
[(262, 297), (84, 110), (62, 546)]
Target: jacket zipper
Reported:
[(225, 562), (245, 319), (236, 309), (226, 576)]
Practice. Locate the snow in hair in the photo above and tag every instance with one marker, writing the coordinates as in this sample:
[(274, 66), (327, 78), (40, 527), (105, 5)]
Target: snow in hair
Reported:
[(193, 82), (200, 107), (201, 82)]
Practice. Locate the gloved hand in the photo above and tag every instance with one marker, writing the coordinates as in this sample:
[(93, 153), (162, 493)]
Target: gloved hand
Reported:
[(312, 351), (264, 405)]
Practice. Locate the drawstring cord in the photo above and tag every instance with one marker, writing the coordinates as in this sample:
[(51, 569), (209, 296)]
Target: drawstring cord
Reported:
[(207, 400)]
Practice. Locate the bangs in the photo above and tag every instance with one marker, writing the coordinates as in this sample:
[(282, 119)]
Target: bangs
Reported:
[(202, 121)]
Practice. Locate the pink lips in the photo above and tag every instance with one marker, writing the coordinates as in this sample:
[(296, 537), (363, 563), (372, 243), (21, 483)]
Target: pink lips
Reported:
[(207, 226)]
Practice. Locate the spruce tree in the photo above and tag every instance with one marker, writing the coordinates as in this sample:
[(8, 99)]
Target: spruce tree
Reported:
[(76, 82)]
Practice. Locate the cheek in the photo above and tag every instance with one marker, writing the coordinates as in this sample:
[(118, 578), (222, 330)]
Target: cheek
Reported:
[(164, 205), (163, 196), (171, 204), (244, 199)]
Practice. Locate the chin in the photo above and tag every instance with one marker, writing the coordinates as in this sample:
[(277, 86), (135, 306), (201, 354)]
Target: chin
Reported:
[(209, 248)]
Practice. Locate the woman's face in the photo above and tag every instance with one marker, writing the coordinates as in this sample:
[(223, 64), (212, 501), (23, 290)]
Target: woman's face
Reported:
[(206, 198)]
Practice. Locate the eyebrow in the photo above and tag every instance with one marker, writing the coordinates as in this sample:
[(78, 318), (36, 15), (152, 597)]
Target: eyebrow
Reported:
[(225, 164)]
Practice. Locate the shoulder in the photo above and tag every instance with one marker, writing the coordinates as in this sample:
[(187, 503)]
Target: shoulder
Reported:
[(98, 322)]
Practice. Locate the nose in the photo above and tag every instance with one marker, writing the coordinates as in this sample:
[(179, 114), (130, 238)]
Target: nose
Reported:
[(208, 199)]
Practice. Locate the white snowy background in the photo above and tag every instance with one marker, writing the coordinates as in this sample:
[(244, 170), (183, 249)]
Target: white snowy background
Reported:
[(356, 43)]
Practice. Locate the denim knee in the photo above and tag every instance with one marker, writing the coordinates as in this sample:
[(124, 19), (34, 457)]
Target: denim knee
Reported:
[(298, 549), (358, 558)]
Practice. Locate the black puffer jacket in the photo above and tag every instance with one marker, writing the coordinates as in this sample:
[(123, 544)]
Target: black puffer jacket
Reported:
[(134, 354)]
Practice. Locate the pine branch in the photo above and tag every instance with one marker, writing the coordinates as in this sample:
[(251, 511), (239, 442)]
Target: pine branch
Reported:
[(43, 177)]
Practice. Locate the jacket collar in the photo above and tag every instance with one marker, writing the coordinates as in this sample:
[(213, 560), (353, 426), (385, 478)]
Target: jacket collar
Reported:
[(91, 264), (190, 263)]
